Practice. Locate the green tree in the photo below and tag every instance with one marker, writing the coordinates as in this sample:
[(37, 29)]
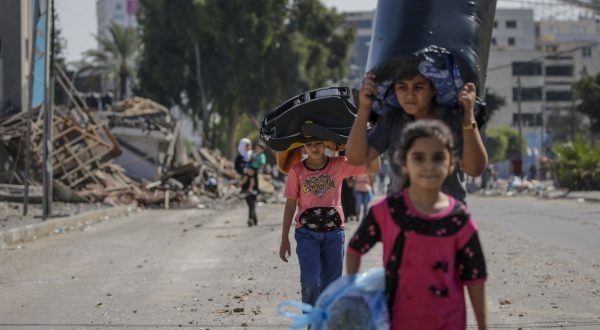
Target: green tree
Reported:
[(496, 145), (588, 91), (503, 143), (59, 44), (115, 58), (493, 102), (221, 59)]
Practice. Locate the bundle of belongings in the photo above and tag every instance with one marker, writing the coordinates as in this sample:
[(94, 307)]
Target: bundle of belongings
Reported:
[(325, 114), (449, 40), (352, 302)]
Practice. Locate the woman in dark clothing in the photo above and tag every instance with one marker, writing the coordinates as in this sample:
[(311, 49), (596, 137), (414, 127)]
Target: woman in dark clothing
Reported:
[(349, 199), (249, 178)]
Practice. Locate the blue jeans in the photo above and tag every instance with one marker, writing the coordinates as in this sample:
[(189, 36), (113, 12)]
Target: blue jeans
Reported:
[(363, 198), (321, 258)]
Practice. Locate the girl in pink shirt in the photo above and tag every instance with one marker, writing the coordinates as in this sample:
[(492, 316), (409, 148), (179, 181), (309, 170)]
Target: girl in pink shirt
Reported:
[(431, 249), (314, 188)]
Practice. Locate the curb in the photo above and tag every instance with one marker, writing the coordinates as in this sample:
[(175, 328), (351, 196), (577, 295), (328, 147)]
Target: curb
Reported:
[(59, 225)]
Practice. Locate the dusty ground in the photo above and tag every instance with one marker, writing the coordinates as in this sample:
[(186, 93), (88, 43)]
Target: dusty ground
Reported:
[(205, 269)]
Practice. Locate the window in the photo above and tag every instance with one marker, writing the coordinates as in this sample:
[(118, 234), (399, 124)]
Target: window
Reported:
[(586, 52), (364, 24), (495, 24), (511, 41), (528, 119), (553, 29), (494, 42), (559, 96), (559, 70), (528, 94), (511, 24), (526, 68), (577, 29), (118, 6)]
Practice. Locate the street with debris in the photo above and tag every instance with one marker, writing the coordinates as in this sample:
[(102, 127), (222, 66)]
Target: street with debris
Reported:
[(205, 269)]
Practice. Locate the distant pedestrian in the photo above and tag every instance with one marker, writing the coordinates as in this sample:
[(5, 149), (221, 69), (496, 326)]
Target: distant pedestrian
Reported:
[(244, 156), (431, 249), (363, 190), (384, 169), (314, 187), (258, 158), (249, 178), (349, 199)]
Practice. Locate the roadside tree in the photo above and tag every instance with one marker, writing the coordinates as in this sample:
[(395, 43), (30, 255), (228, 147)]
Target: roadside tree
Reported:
[(217, 60), (114, 60)]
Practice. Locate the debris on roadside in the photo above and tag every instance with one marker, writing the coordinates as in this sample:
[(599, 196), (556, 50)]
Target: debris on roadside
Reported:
[(130, 153)]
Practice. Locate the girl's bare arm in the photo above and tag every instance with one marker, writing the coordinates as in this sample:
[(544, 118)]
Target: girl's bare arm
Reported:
[(358, 150), (352, 263), (474, 156), (285, 250), (477, 296)]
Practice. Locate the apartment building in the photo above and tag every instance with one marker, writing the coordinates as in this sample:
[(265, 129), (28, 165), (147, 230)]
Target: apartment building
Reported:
[(121, 12), (363, 22), (551, 56)]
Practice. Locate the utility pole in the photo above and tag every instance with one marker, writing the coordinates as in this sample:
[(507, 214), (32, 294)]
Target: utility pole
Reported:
[(520, 117), (573, 118), (48, 114), (517, 164), (29, 116)]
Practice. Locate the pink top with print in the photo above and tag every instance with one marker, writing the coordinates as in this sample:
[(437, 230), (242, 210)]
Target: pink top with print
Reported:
[(320, 188), (428, 259)]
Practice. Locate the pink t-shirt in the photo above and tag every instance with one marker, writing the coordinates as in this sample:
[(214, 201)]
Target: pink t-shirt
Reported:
[(363, 183), (320, 188)]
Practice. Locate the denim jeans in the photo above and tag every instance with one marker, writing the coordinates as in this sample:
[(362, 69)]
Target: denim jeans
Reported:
[(363, 198), (321, 258)]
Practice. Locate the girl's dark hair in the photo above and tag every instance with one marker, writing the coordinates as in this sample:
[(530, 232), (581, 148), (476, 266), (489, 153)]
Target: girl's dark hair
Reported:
[(398, 68), (423, 128)]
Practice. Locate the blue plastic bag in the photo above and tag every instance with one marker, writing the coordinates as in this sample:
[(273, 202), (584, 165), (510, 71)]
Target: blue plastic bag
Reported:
[(351, 302)]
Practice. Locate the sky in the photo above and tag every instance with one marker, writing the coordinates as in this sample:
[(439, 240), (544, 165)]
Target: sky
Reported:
[(79, 25)]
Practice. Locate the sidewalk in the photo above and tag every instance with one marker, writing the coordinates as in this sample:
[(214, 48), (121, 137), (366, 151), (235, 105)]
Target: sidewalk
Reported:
[(543, 190), (583, 196), (59, 225)]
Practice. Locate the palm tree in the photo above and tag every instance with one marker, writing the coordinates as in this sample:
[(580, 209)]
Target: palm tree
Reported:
[(115, 57)]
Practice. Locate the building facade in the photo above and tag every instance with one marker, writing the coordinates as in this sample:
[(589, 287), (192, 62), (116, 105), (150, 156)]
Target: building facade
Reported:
[(15, 53), (544, 58), (363, 23), (121, 12)]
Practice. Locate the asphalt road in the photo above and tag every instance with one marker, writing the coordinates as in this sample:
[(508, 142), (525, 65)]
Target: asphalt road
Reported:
[(206, 269)]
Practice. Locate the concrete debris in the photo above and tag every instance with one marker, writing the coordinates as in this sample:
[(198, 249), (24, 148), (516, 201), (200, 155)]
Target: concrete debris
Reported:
[(130, 153)]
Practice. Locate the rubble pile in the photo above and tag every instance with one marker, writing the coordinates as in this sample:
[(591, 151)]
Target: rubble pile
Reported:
[(131, 153)]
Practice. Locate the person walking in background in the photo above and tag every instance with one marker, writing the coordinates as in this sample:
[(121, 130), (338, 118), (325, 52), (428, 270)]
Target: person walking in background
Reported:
[(313, 187), (383, 175), (349, 199), (259, 159), (431, 248), (249, 180), (244, 156), (363, 190)]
